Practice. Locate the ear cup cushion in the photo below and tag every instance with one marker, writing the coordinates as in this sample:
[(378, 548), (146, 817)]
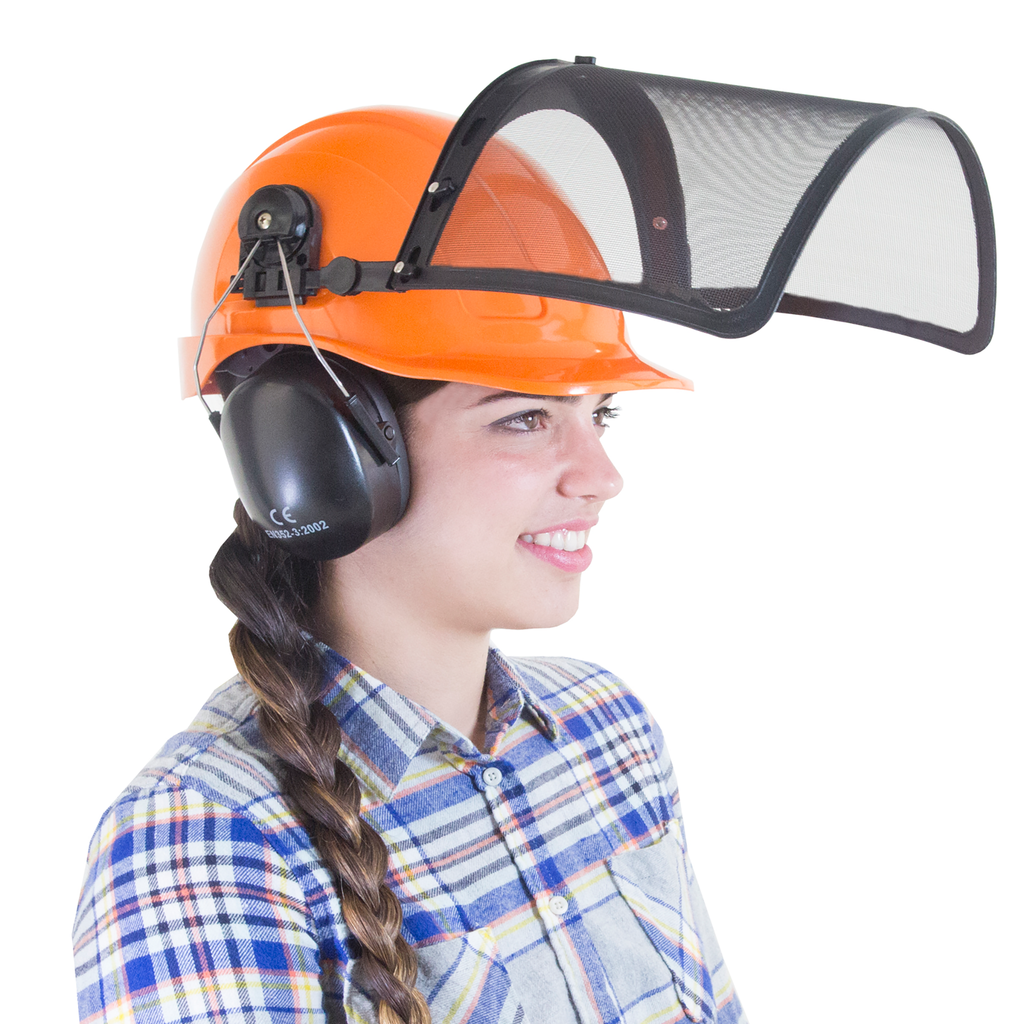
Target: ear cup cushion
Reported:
[(302, 469)]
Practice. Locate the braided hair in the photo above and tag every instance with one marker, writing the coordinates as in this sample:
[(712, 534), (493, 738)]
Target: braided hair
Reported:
[(274, 595)]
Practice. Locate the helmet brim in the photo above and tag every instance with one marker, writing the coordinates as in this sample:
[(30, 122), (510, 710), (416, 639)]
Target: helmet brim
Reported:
[(552, 374)]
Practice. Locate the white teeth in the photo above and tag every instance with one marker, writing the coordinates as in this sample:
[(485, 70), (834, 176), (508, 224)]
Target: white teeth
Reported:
[(560, 540)]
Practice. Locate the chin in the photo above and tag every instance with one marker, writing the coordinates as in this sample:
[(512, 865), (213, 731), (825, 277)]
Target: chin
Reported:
[(555, 613)]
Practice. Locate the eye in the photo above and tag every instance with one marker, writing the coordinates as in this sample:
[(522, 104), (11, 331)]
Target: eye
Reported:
[(524, 422), (604, 414)]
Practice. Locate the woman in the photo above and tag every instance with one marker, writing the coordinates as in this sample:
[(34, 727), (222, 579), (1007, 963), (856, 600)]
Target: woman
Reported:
[(382, 818)]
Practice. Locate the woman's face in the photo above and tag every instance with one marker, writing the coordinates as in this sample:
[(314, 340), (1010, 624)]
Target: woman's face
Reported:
[(505, 490)]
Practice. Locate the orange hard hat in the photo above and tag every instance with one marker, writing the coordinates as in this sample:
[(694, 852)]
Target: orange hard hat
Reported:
[(367, 170)]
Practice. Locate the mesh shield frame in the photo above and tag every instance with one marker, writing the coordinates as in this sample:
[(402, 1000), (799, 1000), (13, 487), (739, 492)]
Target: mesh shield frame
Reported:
[(621, 108)]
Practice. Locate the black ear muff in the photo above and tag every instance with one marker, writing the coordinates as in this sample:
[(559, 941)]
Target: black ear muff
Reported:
[(302, 466)]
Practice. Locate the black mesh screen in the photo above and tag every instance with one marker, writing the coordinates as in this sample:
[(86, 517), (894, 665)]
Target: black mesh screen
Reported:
[(705, 204), (746, 159), (561, 143), (898, 235)]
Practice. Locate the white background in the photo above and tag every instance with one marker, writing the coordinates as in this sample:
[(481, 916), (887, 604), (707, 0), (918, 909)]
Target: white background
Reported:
[(813, 576)]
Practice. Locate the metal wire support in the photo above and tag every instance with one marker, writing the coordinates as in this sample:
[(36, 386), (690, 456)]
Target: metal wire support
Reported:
[(295, 310), (202, 340)]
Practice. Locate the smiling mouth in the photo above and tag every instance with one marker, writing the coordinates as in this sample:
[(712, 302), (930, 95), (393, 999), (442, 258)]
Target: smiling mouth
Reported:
[(560, 540)]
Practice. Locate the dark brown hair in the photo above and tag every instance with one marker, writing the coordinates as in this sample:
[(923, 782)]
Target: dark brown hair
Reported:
[(275, 595)]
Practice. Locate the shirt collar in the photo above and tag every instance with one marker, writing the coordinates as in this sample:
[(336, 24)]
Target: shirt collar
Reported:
[(510, 695), (382, 731)]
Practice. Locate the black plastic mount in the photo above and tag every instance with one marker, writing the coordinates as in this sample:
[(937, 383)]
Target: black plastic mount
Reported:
[(290, 215), (285, 214)]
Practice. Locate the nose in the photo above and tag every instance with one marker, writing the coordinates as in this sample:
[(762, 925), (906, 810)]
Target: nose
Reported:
[(587, 471)]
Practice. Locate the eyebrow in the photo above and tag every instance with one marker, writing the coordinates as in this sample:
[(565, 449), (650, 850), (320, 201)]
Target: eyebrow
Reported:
[(500, 396)]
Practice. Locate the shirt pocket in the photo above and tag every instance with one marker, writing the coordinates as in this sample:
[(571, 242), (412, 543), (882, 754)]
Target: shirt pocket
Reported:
[(463, 979), (653, 882)]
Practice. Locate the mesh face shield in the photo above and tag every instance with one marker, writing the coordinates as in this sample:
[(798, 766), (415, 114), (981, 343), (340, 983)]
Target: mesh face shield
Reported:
[(709, 205)]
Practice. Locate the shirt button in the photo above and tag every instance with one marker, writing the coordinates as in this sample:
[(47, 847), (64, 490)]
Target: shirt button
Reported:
[(558, 905), (491, 776)]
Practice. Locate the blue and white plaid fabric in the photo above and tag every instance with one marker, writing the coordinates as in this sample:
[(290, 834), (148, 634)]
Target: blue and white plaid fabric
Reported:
[(544, 881)]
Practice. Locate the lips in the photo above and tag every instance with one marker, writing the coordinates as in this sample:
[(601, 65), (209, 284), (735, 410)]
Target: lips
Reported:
[(563, 546)]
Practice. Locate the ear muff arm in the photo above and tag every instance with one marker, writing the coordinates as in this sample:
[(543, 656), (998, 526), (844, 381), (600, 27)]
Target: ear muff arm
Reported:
[(375, 434)]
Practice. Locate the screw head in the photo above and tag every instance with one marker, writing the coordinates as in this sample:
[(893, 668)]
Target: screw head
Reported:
[(433, 186), (264, 220), (399, 267)]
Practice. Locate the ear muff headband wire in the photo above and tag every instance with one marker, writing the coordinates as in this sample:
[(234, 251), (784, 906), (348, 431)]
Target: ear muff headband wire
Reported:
[(213, 313), (383, 448), (295, 310), (378, 442)]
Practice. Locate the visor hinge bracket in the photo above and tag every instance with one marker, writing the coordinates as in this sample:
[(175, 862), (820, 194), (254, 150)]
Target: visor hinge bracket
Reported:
[(440, 192), (404, 271)]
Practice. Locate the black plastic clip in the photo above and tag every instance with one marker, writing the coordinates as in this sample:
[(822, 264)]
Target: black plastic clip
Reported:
[(290, 215), (341, 276)]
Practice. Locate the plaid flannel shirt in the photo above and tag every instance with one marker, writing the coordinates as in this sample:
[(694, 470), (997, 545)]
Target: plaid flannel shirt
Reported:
[(545, 880)]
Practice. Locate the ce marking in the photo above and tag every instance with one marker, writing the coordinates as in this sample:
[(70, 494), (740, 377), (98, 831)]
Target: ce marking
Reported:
[(284, 512)]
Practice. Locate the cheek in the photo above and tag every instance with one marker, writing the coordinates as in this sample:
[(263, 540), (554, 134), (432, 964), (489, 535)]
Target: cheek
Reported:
[(479, 499)]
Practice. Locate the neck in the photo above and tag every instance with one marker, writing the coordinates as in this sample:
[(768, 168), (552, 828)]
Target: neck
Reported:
[(440, 668)]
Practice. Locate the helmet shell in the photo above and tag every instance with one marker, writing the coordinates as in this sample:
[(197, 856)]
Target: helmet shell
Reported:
[(367, 170)]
